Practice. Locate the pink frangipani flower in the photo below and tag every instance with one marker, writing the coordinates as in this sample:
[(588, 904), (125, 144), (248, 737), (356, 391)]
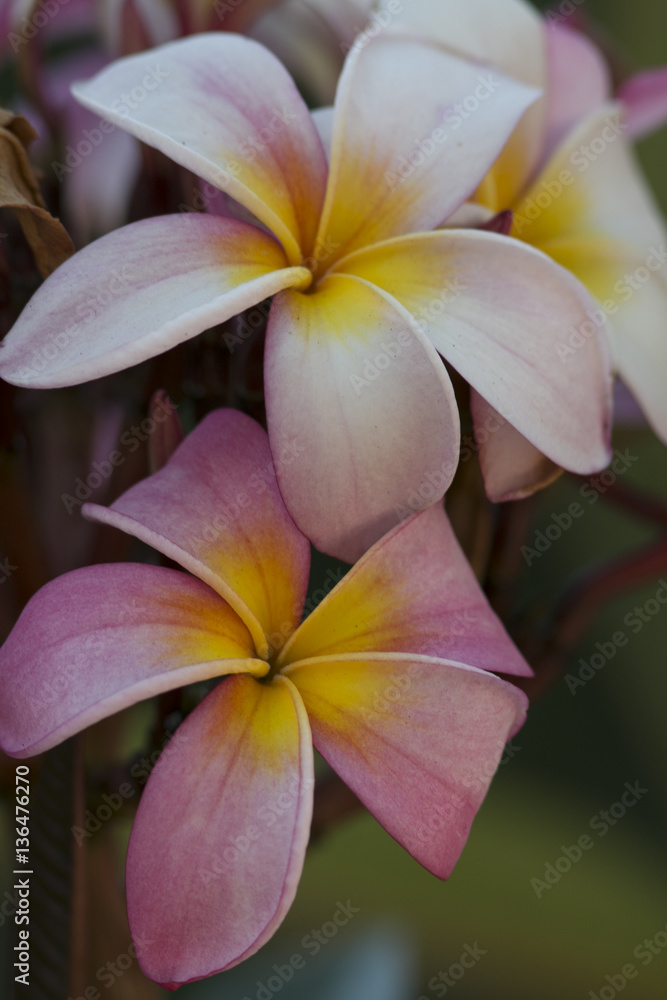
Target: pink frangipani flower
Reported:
[(389, 678), (366, 288)]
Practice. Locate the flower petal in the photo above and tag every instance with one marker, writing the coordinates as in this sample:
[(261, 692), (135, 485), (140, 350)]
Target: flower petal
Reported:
[(415, 131), (104, 637), (509, 36), (497, 311), (139, 291), (512, 468), (416, 738), (369, 405), (606, 228), (218, 843), (645, 98), (215, 508), (639, 336), (224, 107), (415, 593), (579, 81), (604, 199)]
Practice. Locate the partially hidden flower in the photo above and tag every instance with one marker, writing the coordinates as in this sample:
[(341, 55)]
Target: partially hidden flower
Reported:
[(577, 193), (389, 677), (366, 288)]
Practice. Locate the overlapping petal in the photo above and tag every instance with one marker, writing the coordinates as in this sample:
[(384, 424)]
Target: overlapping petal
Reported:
[(368, 404), (579, 82), (215, 508), (218, 843), (605, 226), (415, 130), (496, 310), (602, 195), (104, 637), (645, 98), (511, 466), (418, 739), (414, 593), (139, 291), (507, 35), (225, 108)]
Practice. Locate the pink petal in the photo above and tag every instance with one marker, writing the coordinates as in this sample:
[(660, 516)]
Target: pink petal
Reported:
[(645, 98), (416, 738), (403, 158), (217, 847), (139, 291), (104, 637), (511, 466), (497, 310), (225, 108), (215, 508), (354, 384), (414, 593), (579, 82)]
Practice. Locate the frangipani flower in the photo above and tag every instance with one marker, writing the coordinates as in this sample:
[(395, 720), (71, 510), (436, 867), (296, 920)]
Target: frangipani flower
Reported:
[(389, 676), (577, 194), (366, 288)]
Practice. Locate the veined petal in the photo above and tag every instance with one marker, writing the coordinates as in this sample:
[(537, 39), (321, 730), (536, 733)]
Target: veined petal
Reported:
[(215, 508), (104, 637), (509, 36), (512, 467), (418, 739), (579, 82), (224, 107), (369, 405), (415, 593), (218, 843), (415, 131), (497, 311), (645, 98), (139, 291)]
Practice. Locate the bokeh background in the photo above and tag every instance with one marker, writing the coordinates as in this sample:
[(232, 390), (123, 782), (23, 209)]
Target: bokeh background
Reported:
[(571, 761)]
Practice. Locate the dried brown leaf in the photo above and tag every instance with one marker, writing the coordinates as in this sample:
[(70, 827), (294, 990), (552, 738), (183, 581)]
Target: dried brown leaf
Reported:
[(19, 190)]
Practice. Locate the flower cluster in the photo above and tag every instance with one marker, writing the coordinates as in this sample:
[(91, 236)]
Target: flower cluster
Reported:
[(463, 227)]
